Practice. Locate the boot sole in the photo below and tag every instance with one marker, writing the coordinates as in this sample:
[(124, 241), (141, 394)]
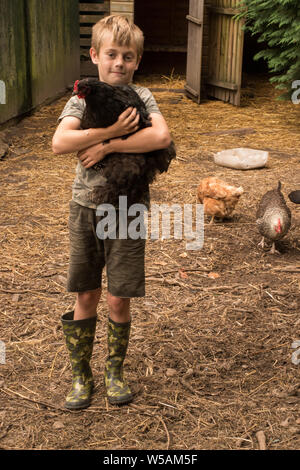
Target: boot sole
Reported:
[(81, 405), (77, 407), (119, 402)]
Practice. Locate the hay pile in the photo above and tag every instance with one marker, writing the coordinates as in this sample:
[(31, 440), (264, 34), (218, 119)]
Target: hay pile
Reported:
[(209, 358)]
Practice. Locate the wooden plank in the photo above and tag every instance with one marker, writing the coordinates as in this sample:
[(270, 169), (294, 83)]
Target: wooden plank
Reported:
[(229, 51), (192, 91), (163, 48), (221, 84), (194, 20), (221, 76), (240, 131), (121, 7), (239, 63), (217, 58), (228, 21), (234, 48), (205, 48), (93, 7), (194, 54), (91, 19), (92, 1), (85, 30), (85, 42), (224, 11)]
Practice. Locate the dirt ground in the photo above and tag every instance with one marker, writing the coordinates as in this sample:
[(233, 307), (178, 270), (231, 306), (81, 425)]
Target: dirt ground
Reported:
[(210, 355)]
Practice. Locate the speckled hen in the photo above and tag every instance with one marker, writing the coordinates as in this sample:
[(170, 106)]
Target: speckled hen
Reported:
[(273, 217)]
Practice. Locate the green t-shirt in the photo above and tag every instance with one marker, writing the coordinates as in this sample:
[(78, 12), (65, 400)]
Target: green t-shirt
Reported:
[(87, 178)]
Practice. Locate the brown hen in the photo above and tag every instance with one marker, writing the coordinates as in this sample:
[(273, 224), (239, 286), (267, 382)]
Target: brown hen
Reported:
[(218, 197)]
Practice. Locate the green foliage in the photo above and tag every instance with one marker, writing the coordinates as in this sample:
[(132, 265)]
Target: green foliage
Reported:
[(277, 24)]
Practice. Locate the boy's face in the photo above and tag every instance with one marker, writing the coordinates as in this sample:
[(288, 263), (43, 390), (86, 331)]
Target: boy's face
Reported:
[(116, 64)]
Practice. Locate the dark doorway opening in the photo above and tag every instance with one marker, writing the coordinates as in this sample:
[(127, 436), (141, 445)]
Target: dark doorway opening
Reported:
[(165, 29), (252, 47)]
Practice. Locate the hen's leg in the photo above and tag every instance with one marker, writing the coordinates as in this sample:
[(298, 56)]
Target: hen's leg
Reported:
[(262, 242), (273, 249), (211, 220)]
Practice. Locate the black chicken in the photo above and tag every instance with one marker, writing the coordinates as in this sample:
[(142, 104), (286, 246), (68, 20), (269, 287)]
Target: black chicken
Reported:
[(294, 196), (126, 174)]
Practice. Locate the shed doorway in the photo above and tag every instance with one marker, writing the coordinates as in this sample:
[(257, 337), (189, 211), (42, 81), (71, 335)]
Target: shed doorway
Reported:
[(165, 28)]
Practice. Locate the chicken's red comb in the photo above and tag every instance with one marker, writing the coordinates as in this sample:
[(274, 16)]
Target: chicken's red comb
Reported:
[(76, 86)]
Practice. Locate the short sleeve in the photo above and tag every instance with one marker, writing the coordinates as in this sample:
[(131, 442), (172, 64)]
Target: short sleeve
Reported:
[(74, 107), (149, 100)]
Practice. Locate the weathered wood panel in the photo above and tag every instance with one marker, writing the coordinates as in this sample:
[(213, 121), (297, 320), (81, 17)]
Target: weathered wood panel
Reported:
[(39, 52), (125, 7), (205, 46), (13, 60), (89, 14), (225, 52), (194, 55), (53, 38)]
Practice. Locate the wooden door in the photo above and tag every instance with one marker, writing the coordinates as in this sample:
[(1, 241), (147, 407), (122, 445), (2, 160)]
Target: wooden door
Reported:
[(194, 53), (215, 50), (226, 39)]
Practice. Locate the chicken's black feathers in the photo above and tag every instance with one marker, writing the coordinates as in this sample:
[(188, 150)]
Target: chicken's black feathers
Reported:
[(294, 196), (104, 103), (126, 174)]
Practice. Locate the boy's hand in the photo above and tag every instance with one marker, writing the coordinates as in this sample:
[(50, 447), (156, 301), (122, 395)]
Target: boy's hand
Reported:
[(92, 155), (127, 123)]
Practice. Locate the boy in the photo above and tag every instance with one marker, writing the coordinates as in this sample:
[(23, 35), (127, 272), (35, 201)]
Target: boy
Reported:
[(117, 47)]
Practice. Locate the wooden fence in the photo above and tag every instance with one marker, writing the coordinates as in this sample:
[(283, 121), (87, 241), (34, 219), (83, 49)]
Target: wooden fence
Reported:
[(39, 52)]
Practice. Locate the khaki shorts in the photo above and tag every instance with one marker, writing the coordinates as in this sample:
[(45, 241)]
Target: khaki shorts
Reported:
[(124, 259)]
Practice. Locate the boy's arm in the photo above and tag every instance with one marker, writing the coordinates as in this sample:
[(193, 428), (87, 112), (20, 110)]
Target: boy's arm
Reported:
[(151, 138), (143, 141), (69, 138)]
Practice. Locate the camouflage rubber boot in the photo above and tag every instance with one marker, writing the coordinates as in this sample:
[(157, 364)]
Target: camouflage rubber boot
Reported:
[(79, 336), (118, 392)]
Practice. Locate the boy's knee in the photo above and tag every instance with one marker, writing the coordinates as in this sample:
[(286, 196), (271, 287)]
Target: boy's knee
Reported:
[(117, 304), (89, 298)]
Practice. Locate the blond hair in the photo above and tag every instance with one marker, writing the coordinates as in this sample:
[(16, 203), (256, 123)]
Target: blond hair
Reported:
[(124, 33)]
